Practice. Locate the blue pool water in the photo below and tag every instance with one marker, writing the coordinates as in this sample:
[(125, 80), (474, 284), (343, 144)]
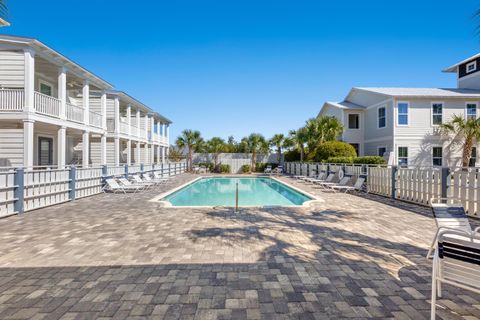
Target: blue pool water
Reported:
[(252, 191)]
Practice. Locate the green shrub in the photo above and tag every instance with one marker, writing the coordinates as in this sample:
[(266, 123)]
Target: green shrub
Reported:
[(292, 155), (208, 165), (341, 160), (334, 149), (369, 160), (224, 168), (246, 168)]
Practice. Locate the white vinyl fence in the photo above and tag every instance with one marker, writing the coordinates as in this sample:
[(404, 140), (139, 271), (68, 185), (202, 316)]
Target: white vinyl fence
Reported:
[(23, 190), (418, 185)]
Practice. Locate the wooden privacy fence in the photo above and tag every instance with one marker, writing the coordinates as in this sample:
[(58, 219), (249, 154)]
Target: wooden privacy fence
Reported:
[(23, 190), (418, 185)]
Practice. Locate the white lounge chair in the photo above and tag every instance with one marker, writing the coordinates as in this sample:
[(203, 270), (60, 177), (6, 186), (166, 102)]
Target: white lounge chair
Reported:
[(138, 180), (268, 169), (328, 179), (448, 216), (456, 262), (113, 186), (319, 177), (343, 182), (159, 176), (157, 181), (357, 186)]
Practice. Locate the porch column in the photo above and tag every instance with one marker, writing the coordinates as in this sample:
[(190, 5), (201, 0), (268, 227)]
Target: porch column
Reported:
[(62, 91), (116, 148), (159, 155), (117, 114), (146, 126), (163, 154), (167, 134), (138, 155), (103, 146), (29, 74), (152, 126), (86, 102), (138, 123), (61, 146), (103, 106), (28, 127), (85, 149), (146, 153), (129, 119), (152, 153), (129, 152), (159, 134)]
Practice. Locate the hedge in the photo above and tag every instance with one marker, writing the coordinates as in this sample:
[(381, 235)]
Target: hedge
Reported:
[(334, 149)]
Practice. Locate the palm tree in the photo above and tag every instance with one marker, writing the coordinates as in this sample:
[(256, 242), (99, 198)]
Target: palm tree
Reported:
[(329, 127), (215, 146), (3, 9), (279, 141), (255, 143), (299, 138), (466, 129), (192, 140)]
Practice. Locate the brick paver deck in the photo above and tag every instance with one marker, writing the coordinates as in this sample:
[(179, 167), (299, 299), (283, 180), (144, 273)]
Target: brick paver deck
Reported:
[(111, 256)]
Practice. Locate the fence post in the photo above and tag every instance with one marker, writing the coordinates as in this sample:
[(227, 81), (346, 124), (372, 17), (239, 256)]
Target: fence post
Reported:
[(126, 171), (162, 169), (328, 169), (445, 184), (308, 170), (72, 175), (19, 181), (301, 167), (394, 180), (141, 168), (104, 170)]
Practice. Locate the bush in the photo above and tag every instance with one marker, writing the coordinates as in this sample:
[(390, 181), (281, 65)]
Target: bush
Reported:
[(292, 155), (334, 149), (369, 160), (208, 165), (341, 160), (224, 168), (246, 168)]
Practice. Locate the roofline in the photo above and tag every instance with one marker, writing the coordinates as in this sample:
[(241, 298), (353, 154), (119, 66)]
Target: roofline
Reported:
[(455, 66), (4, 23), (43, 48)]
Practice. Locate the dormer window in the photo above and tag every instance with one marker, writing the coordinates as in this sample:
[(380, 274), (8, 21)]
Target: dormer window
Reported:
[(472, 66)]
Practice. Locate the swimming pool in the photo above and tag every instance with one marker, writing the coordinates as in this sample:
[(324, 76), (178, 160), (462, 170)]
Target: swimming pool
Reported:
[(220, 191)]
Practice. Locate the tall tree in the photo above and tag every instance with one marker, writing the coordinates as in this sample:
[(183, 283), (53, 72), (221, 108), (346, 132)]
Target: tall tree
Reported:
[(192, 141), (255, 143), (466, 129), (3, 9), (279, 141), (215, 146), (299, 139)]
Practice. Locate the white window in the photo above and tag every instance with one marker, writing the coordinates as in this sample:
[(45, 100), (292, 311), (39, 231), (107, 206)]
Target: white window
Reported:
[(402, 109), (382, 151), (473, 158), (472, 66), (353, 121), (403, 156), (471, 111), (437, 113), (437, 156), (382, 117), (45, 88)]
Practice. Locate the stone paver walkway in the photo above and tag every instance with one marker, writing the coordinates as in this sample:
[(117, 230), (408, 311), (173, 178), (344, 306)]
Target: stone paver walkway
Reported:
[(111, 256)]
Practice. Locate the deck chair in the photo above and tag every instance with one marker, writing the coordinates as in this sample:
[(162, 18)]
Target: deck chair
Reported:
[(147, 178), (343, 182), (320, 177), (268, 169), (448, 217), (139, 181), (113, 186), (328, 179), (357, 186), (456, 262), (159, 176)]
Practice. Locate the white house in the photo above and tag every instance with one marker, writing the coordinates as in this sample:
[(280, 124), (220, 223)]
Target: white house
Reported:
[(403, 122), (54, 112)]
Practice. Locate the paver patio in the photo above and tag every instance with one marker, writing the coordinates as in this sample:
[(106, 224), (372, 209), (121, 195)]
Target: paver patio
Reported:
[(111, 256)]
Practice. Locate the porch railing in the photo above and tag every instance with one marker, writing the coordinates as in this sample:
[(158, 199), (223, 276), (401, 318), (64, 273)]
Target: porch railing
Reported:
[(124, 127), (95, 119), (47, 105), (11, 100), (74, 113)]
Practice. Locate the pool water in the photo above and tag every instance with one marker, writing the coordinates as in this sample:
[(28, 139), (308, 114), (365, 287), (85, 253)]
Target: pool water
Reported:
[(252, 191)]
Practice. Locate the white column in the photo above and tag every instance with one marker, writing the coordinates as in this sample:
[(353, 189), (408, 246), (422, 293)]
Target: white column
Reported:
[(167, 135), (117, 114), (29, 75), (86, 102), (116, 147), (146, 126), (62, 91), (61, 146), (28, 127), (159, 155), (163, 154), (129, 119), (146, 153), (103, 146), (103, 105), (138, 123), (159, 133), (129, 152), (85, 149), (152, 126), (152, 153), (138, 153)]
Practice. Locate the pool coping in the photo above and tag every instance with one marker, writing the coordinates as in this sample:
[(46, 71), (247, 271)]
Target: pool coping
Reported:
[(168, 204)]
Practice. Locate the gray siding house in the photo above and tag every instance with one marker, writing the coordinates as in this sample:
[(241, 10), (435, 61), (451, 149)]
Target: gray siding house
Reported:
[(402, 124)]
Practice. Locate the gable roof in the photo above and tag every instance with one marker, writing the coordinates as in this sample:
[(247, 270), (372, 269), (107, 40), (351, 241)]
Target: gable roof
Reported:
[(454, 68), (424, 92), (345, 105)]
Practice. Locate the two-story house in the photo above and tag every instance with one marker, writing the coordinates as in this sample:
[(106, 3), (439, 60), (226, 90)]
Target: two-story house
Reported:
[(54, 112), (402, 124)]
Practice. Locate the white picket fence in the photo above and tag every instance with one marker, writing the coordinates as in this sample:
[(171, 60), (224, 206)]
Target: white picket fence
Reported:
[(45, 188), (417, 185), (88, 181), (7, 192)]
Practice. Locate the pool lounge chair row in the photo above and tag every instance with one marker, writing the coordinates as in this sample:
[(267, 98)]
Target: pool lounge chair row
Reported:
[(138, 182), (327, 182)]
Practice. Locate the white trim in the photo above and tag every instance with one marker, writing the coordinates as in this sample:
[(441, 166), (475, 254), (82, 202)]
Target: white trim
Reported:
[(476, 108), (46, 83), (431, 112), (474, 64), (398, 155), (348, 120), (431, 155), (397, 114), (379, 103), (378, 120), (379, 139)]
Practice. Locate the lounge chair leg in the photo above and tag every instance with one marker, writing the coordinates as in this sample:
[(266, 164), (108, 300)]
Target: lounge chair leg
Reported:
[(434, 289)]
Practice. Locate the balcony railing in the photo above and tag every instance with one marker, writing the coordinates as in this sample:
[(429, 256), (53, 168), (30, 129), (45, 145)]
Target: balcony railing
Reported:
[(11, 100), (74, 113), (95, 119), (124, 127), (47, 105)]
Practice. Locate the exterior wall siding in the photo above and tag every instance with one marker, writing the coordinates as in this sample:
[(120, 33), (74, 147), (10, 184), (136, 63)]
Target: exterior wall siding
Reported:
[(12, 69), (11, 146), (371, 122)]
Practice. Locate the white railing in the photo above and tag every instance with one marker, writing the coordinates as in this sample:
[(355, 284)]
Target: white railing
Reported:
[(7, 193), (124, 127), (11, 100), (74, 113), (88, 181), (45, 187), (46, 105), (95, 119)]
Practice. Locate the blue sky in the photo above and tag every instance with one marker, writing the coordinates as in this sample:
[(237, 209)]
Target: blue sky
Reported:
[(236, 67)]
